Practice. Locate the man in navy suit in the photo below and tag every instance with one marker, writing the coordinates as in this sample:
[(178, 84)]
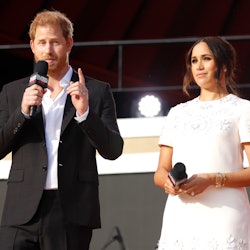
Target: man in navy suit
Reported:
[(52, 200)]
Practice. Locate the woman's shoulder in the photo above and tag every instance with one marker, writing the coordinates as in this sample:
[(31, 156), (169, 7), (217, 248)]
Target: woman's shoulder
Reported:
[(239, 101)]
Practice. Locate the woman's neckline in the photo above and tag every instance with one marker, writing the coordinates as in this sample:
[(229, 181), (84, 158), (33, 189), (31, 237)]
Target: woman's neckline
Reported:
[(215, 99)]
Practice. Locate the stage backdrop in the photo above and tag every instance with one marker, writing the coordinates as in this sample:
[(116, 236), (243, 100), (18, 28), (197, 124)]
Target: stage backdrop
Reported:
[(131, 205)]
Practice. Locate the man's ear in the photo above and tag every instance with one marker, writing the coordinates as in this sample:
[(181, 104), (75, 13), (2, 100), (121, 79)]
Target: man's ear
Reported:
[(69, 44), (32, 45)]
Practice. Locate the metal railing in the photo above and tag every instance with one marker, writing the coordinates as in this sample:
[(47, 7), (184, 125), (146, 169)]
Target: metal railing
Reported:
[(120, 44)]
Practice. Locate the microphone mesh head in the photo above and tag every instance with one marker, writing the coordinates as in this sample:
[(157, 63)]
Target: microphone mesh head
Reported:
[(179, 171), (41, 67)]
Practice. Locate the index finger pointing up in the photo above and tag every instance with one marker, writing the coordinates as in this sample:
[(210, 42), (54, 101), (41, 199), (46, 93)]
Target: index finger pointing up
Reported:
[(80, 75)]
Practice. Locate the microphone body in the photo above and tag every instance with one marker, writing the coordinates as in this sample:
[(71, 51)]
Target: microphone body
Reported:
[(178, 174), (40, 78)]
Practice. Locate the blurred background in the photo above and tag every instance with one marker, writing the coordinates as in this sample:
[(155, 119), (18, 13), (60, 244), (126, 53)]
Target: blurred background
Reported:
[(139, 47)]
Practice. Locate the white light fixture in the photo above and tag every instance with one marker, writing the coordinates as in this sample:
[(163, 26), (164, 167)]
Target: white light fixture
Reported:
[(149, 106)]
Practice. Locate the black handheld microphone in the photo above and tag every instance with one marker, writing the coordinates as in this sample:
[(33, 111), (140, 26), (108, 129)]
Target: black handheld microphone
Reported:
[(178, 174), (40, 78)]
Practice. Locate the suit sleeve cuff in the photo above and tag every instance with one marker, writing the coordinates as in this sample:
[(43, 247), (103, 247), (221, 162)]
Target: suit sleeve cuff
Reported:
[(83, 117), (25, 115)]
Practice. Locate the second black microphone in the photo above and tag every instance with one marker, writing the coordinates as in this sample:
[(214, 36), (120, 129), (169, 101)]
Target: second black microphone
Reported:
[(178, 174)]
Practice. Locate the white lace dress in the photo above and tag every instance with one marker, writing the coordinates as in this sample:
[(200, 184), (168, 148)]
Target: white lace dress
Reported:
[(207, 137)]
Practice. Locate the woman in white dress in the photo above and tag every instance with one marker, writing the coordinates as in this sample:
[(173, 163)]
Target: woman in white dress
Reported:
[(209, 135)]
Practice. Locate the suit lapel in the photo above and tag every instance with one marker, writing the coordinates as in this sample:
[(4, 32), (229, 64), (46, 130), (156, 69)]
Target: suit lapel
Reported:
[(69, 109), (69, 113), (38, 120)]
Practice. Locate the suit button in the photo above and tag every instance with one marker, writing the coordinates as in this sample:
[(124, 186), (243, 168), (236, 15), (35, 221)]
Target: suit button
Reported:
[(45, 168), (60, 165)]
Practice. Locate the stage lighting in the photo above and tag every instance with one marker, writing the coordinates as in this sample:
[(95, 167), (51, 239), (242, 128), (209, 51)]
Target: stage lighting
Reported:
[(149, 106)]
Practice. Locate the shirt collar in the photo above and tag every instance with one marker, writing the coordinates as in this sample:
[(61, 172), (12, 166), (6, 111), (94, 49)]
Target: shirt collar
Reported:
[(64, 82)]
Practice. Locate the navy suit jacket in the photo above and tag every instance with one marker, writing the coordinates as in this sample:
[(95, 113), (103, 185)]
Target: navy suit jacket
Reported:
[(77, 169)]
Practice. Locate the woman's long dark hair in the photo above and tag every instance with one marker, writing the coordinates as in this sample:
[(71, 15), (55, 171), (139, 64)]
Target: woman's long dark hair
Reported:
[(224, 56)]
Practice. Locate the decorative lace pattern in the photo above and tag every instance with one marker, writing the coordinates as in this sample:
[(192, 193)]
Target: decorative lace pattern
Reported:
[(206, 117), (230, 243)]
